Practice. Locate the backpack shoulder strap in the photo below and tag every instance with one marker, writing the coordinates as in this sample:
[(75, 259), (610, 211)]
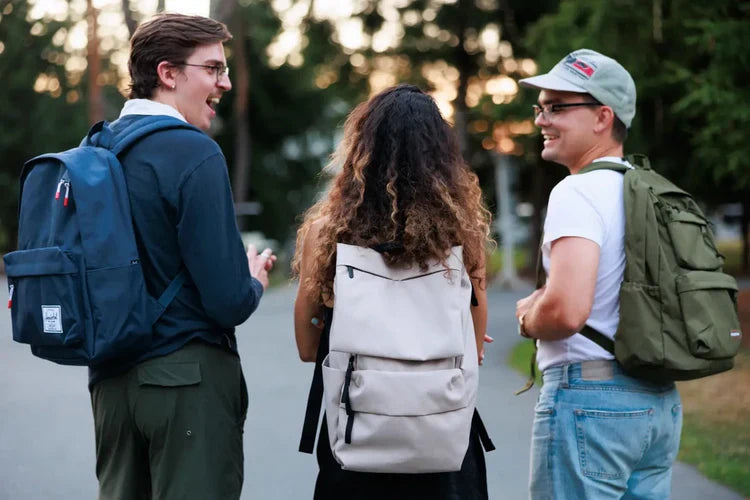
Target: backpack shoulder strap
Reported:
[(604, 165), (102, 135), (315, 397)]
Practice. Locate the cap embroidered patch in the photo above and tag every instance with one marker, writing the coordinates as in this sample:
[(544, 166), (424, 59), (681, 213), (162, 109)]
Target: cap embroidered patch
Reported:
[(586, 70)]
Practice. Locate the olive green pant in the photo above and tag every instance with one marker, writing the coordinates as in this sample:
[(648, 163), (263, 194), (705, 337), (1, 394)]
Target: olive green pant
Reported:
[(171, 427)]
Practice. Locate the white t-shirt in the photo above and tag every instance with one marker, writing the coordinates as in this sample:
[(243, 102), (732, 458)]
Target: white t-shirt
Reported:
[(589, 206)]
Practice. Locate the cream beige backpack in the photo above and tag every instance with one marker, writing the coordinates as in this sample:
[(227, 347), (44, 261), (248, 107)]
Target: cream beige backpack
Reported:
[(400, 377)]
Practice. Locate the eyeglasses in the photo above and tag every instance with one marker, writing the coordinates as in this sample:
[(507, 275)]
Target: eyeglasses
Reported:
[(218, 70), (550, 110)]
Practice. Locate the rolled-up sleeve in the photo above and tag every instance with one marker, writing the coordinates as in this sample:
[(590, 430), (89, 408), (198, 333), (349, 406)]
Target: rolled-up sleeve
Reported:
[(211, 245)]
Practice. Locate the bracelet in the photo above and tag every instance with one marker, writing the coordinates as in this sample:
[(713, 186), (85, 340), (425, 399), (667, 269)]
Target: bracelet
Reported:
[(521, 329)]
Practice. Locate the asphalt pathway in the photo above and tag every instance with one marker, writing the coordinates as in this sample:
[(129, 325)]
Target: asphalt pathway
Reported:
[(47, 438)]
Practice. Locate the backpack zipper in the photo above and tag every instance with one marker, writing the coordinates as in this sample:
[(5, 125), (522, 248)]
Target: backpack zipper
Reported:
[(59, 186), (10, 295), (67, 193), (350, 272)]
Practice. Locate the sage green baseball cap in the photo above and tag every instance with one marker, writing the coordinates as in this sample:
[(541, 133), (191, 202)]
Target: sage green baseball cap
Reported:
[(588, 71)]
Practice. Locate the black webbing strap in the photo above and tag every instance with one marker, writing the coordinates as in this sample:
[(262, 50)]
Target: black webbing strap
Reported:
[(484, 438), (315, 397), (599, 339), (347, 402), (541, 279)]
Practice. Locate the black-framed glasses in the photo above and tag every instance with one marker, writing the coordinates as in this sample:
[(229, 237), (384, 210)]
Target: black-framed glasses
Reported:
[(218, 70), (550, 110)]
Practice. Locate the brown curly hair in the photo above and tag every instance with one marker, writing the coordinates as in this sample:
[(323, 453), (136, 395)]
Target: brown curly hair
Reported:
[(401, 179)]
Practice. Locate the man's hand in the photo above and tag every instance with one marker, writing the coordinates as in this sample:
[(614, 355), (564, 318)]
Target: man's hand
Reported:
[(261, 264), (523, 305)]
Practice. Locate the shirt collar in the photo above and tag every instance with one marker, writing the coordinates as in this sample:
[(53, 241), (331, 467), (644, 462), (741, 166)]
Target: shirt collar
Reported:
[(149, 107), (614, 159)]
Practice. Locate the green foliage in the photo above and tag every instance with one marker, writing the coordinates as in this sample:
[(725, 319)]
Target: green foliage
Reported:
[(690, 65), (293, 122), (495, 260), (34, 123), (717, 85)]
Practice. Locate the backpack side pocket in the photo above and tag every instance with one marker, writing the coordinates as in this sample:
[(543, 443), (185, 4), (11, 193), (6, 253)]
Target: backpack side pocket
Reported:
[(48, 308)]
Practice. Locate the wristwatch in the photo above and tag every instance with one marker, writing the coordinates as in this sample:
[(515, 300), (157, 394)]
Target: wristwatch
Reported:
[(521, 330)]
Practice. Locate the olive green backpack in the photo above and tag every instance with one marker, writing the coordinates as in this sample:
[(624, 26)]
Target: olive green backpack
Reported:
[(678, 310)]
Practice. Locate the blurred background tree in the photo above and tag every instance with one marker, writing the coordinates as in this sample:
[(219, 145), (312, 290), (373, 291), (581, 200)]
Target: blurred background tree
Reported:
[(299, 66)]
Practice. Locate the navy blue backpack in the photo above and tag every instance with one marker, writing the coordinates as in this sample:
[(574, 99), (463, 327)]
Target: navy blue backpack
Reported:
[(76, 287)]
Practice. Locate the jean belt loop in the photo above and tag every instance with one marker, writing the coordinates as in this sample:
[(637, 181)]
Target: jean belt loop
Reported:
[(564, 381)]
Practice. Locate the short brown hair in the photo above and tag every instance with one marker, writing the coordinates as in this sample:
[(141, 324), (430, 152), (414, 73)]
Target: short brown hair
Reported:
[(167, 37), (619, 130)]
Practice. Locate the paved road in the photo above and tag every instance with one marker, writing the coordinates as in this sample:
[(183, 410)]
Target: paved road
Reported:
[(46, 427)]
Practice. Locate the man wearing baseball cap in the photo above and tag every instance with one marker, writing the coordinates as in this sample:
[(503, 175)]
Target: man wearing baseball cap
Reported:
[(598, 433)]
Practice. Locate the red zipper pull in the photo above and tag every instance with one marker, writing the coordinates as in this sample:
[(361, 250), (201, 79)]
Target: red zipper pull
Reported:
[(59, 185), (67, 194), (10, 295)]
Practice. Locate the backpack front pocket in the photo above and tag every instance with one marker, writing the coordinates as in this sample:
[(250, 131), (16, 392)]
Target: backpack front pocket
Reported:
[(708, 302), (692, 242), (46, 308), (397, 421)]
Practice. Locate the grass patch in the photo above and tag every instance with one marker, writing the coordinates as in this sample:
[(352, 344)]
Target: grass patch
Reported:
[(521, 261), (719, 452), (716, 427), (519, 358)]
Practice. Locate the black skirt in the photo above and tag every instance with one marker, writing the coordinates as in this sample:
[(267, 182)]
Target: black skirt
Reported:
[(333, 483)]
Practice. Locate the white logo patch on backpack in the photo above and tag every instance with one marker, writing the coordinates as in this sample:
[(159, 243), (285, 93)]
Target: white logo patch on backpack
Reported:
[(401, 375), (52, 319)]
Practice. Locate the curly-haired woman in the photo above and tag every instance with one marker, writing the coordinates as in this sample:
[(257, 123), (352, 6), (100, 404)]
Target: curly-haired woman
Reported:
[(401, 180)]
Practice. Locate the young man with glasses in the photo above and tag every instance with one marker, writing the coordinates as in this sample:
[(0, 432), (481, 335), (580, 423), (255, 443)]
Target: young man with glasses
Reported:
[(169, 422), (597, 432)]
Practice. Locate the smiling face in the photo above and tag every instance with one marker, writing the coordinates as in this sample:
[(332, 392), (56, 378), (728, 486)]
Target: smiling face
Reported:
[(569, 136), (197, 90)]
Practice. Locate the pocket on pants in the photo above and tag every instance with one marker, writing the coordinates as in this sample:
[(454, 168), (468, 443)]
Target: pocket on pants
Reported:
[(170, 374), (610, 443)]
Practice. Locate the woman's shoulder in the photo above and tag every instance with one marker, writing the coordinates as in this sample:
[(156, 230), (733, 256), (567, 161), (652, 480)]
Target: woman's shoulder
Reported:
[(314, 229)]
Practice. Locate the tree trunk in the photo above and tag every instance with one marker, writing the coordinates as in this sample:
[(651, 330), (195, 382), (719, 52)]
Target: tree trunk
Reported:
[(129, 19), (463, 61), (744, 227), (220, 10), (95, 103), (242, 142), (510, 28), (537, 223)]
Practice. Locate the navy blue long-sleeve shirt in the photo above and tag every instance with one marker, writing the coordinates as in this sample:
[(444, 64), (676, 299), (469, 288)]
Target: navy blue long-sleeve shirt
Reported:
[(183, 213)]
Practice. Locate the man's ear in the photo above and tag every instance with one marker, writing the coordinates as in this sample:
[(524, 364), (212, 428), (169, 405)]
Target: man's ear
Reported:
[(605, 119), (167, 73)]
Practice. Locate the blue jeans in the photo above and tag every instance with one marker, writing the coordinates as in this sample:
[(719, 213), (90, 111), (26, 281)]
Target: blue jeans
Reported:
[(599, 434)]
